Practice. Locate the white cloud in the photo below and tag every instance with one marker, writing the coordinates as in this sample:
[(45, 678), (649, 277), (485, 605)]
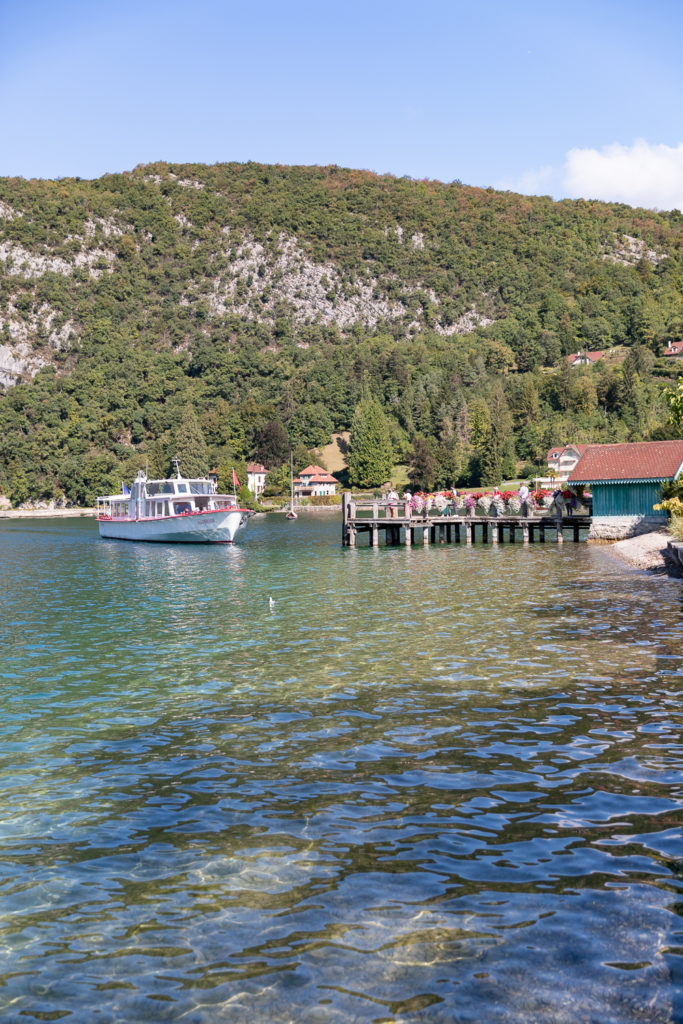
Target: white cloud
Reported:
[(640, 175)]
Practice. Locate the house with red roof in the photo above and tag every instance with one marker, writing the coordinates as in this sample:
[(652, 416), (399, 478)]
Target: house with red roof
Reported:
[(563, 458), (314, 481), (674, 348), (626, 481), (584, 358), (256, 478)]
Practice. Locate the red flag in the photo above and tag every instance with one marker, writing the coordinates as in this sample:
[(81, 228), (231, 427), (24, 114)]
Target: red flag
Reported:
[(234, 479)]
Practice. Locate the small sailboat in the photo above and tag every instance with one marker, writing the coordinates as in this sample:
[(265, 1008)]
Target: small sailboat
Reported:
[(291, 514)]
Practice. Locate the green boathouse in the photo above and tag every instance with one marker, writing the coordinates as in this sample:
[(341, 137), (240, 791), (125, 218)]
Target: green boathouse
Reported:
[(626, 481)]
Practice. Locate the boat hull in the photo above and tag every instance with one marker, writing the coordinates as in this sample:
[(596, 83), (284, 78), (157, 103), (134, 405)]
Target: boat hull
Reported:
[(213, 527)]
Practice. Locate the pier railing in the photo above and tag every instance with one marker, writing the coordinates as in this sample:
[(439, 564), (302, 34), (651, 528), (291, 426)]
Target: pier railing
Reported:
[(402, 524)]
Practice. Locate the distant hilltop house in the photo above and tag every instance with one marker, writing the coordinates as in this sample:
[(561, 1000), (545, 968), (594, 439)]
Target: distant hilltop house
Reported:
[(674, 348), (314, 482), (256, 478), (584, 358), (563, 458), (626, 481)]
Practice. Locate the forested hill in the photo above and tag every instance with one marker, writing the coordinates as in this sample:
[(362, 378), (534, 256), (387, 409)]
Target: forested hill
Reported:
[(263, 298)]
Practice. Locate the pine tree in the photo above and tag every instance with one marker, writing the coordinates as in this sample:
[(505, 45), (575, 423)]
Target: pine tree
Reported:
[(497, 455), (371, 456), (190, 446), (423, 469)]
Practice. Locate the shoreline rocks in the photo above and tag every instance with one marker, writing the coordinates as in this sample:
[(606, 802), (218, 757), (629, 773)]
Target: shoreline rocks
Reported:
[(652, 552), (45, 513)]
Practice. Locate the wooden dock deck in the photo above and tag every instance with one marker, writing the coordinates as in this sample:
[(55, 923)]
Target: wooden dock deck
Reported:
[(402, 527)]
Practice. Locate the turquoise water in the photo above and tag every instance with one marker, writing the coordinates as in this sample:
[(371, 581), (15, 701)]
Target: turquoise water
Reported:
[(430, 785)]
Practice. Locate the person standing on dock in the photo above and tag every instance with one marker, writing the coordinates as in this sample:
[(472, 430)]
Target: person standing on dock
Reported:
[(525, 503), (392, 501), (559, 502)]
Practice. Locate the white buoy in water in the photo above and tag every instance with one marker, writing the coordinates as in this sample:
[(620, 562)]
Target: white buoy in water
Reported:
[(271, 603)]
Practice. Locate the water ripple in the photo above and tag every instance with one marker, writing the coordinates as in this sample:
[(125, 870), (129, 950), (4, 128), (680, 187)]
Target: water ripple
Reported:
[(430, 785)]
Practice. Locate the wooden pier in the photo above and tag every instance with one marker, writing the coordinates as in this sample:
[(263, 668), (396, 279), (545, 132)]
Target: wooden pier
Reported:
[(402, 527)]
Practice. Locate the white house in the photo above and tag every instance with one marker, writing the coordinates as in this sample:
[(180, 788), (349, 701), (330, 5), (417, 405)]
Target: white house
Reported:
[(584, 358), (256, 478), (563, 459), (314, 481)]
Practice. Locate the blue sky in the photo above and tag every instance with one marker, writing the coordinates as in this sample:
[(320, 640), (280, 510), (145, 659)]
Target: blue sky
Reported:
[(565, 98)]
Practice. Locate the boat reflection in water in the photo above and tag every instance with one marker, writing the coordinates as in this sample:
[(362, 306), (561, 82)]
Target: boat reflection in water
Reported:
[(173, 511)]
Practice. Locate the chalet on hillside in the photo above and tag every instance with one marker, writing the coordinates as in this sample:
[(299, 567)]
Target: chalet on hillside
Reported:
[(674, 348), (584, 358), (626, 480), (313, 482), (563, 458)]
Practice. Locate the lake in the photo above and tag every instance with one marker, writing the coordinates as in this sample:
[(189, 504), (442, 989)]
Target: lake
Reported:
[(429, 785)]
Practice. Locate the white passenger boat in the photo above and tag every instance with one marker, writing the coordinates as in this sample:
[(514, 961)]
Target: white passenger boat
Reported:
[(174, 511)]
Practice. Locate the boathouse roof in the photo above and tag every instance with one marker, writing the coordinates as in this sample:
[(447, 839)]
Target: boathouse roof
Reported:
[(629, 463)]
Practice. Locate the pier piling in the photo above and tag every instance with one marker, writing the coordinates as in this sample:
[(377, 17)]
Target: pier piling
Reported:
[(399, 526)]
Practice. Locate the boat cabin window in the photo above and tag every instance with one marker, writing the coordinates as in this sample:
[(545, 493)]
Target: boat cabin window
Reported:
[(181, 506), (159, 487), (182, 488)]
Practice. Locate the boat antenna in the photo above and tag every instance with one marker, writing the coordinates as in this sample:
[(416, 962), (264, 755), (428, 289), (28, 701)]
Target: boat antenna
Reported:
[(177, 465)]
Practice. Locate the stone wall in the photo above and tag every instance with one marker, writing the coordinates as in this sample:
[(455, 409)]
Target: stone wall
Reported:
[(621, 527), (675, 550)]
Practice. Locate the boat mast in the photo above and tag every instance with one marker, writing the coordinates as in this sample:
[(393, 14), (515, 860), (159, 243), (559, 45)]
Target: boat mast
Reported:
[(291, 480)]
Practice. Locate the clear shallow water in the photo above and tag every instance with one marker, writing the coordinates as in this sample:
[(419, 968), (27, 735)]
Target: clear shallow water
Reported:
[(431, 785)]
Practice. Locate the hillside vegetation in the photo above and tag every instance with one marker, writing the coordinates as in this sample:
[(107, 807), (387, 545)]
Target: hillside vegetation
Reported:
[(267, 299)]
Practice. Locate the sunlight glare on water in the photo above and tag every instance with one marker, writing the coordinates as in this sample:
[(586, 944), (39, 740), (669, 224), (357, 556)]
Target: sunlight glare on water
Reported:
[(422, 785)]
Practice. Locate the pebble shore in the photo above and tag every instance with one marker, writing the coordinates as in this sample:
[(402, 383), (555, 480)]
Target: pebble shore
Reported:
[(647, 552), (44, 513)]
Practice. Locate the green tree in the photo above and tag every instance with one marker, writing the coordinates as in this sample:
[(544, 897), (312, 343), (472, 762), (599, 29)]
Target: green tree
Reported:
[(272, 445), (277, 482), (673, 396), (311, 425), (371, 456), (479, 424), (497, 452), (528, 404), (423, 467), (190, 446), (584, 394)]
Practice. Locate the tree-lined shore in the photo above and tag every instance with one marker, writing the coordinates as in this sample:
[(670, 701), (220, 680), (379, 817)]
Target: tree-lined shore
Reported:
[(244, 311)]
